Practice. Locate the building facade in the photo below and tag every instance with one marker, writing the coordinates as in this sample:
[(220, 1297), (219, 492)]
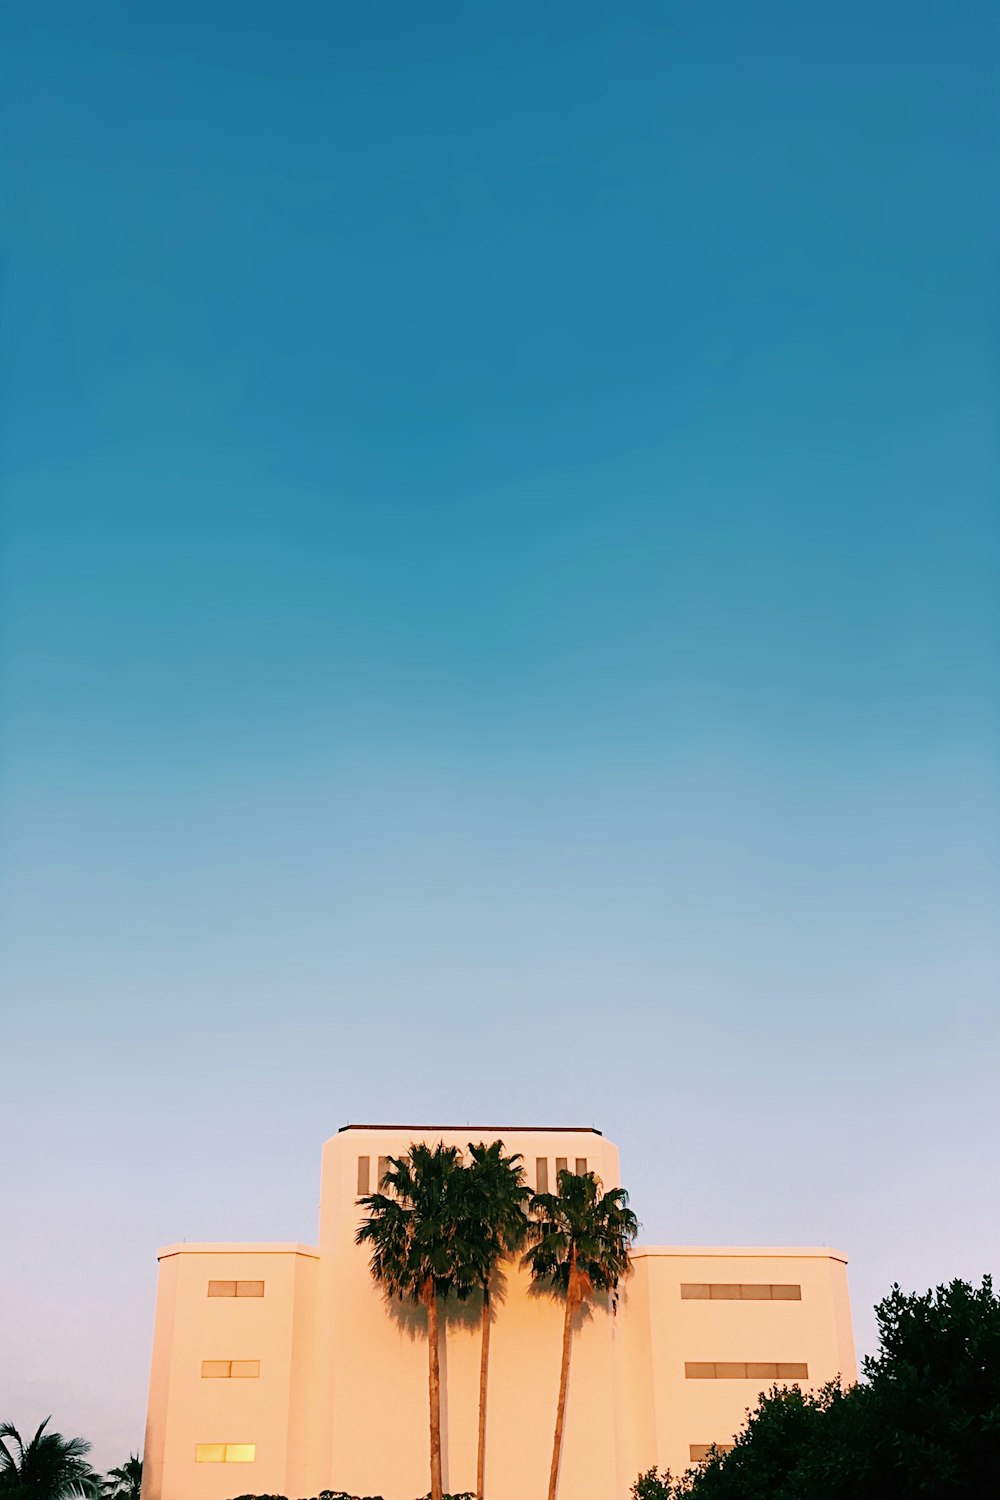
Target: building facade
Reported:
[(283, 1370)]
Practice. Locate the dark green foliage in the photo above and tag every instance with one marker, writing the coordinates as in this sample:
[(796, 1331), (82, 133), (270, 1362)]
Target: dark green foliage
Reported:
[(48, 1467), (124, 1483), (341, 1495), (493, 1213), (654, 1486), (925, 1425), (415, 1229), (580, 1232)]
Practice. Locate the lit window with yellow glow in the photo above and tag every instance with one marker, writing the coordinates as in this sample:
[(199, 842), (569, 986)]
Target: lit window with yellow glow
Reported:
[(225, 1453)]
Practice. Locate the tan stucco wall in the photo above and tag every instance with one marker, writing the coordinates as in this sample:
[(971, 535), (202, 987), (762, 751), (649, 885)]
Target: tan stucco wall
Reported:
[(341, 1401), (185, 1409), (670, 1331)]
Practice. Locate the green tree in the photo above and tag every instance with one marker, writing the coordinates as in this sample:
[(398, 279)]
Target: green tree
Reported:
[(924, 1423), (496, 1198), (48, 1467), (414, 1229), (582, 1237), (124, 1483)]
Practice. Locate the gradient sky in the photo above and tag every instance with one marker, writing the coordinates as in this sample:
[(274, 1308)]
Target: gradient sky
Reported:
[(500, 624)]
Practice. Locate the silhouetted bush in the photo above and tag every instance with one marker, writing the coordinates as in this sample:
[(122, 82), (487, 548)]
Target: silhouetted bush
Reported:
[(342, 1495)]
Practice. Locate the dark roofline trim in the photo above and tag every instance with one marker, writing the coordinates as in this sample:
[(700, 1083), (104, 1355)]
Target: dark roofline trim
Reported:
[(456, 1129)]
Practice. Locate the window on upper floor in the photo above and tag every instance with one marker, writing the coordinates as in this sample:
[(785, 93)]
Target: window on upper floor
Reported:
[(562, 1165), (230, 1369), (581, 1165), (744, 1370), (364, 1173), (383, 1167), (541, 1174), (225, 1453), (700, 1451), (236, 1289), (739, 1291)]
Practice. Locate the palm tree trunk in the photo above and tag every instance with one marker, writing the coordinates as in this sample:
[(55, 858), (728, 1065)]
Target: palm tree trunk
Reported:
[(563, 1384), (484, 1364), (434, 1386)]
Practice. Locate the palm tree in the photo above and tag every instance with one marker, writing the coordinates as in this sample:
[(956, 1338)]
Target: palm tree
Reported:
[(496, 1224), (124, 1483), (49, 1467), (414, 1229), (581, 1247)]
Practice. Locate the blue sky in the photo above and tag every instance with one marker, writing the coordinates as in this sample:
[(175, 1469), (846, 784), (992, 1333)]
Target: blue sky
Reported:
[(499, 622)]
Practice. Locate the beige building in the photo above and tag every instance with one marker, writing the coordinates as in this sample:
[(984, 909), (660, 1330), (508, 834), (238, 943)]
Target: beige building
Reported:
[(282, 1369)]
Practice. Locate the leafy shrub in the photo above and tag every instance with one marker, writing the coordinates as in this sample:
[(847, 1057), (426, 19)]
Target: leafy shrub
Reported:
[(342, 1495), (654, 1486)]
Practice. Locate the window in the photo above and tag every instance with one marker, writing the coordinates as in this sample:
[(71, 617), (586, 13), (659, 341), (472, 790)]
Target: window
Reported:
[(745, 1291), (561, 1166), (581, 1165), (700, 1451), (541, 1174), (743, 1370), (230, 1369), (364, 1188), (225, 1453), (383, 1167), (236, 1289)]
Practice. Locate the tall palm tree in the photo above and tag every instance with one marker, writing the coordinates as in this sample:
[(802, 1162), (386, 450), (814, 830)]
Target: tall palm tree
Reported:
[(494, 1208), (582, 1238), (414, 1229), (124, 1483), (48, 1467)]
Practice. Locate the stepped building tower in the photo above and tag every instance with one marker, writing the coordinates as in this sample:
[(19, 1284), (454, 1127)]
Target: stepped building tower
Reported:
[(281, 1369)]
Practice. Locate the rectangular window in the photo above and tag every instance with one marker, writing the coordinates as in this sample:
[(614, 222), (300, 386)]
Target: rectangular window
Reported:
[(581, 1165), (245, 1369), (746, 1291), (700, 1451), (230, 1369), (222, 1288), (383, 1167), (225, 1453), (744, 1370), (210, 1453), (541, 1174), (236, 1289), (561, 1166), (363, 1178), (249, 1289)]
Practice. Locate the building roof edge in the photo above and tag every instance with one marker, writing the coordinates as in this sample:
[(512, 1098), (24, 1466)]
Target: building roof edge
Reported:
[(206, 1247), (455, 1129), (743, 1252)]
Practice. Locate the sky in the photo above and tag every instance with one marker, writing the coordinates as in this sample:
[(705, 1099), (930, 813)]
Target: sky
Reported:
[(499, 624)]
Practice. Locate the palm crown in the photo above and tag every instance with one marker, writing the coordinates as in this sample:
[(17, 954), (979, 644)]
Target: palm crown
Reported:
[(415, 1229), (47, 1467), (582, 1236), (494, 1212), (124, 1483)]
